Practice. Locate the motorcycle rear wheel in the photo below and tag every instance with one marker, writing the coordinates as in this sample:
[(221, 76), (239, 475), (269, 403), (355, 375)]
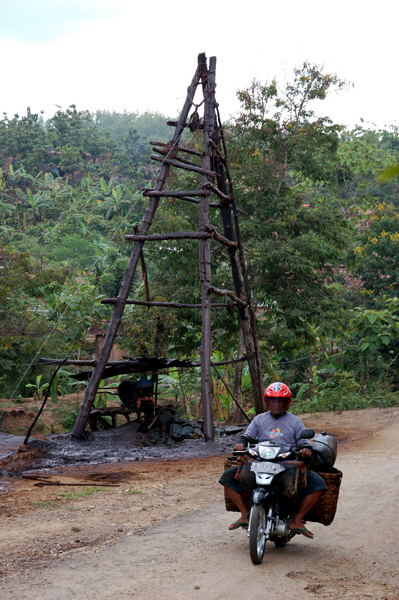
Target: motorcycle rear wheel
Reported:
[(257, 535)]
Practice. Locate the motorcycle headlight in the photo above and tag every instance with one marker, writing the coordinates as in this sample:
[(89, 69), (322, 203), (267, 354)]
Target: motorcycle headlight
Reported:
[(267, 452)]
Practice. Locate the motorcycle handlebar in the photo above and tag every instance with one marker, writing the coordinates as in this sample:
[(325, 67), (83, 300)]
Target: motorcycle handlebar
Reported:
[(294, 454)]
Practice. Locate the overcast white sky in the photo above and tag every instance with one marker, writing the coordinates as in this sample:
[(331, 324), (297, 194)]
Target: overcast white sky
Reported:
[(137, 55)]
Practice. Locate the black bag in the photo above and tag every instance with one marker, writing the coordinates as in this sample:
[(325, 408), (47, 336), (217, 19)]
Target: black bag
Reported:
[(286, 483)]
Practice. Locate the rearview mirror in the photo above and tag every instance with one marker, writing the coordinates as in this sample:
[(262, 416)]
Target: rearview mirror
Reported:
[(306, 434)]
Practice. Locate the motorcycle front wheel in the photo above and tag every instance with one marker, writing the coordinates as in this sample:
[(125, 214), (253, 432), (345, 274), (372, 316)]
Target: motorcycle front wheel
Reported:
[(257, 534)]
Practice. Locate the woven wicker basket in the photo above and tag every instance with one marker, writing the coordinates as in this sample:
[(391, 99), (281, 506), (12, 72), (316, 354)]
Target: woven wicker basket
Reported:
[(230, 506), (324, 511)]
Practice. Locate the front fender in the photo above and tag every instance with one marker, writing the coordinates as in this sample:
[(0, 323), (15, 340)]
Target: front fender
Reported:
[(259, 495)]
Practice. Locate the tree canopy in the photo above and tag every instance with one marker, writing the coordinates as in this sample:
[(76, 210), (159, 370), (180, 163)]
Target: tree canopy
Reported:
[(319, 224)]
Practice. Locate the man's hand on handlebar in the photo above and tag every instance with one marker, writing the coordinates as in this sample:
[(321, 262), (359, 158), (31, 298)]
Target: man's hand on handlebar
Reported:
[(239, 447), (305, 452)]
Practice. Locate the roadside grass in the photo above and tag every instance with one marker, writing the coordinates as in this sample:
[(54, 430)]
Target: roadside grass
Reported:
[(44, 504), (82, 494)]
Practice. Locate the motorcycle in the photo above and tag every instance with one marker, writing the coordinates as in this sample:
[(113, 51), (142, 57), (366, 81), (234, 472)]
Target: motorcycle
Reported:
[(271, 512)]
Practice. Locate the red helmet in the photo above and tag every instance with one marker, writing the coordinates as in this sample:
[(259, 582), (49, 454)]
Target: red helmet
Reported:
[(278, 390)]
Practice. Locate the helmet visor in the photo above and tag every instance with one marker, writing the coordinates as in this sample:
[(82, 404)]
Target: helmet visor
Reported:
[(277, 405)]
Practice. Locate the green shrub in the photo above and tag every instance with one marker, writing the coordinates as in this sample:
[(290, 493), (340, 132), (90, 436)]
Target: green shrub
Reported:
[(68, 420), (342, 399)]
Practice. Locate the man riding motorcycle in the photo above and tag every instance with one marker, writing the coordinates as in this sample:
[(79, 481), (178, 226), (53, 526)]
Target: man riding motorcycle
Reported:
[(279, 425)]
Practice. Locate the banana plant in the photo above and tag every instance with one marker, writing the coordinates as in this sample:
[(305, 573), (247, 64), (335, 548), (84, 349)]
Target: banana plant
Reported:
[(34, 202), (116, 201), (316, 384), (39, 388)]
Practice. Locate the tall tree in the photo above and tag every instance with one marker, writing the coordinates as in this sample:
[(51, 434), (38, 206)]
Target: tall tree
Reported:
[(275, 142)]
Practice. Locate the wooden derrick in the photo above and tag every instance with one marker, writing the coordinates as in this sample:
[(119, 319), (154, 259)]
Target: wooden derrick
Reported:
[(212, 165)]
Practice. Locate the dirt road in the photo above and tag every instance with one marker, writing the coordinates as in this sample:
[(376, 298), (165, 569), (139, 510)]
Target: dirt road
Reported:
[(171, 540)]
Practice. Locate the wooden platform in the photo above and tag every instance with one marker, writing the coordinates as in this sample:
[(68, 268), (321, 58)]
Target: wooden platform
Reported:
[(97, 416)]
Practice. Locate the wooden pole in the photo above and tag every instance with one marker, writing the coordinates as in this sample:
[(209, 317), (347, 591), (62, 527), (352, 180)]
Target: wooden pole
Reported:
[(213, 290), (180, 235), (171, 194), (127, 362), (96, 376), (180, 148), (46, 395), (208, 85), (181, 165), (166, 304)]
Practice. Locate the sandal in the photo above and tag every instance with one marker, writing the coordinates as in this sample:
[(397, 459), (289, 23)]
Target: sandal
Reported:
[(305, 532), (237, 525)]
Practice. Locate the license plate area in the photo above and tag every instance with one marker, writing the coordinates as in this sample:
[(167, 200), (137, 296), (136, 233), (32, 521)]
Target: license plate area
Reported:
[(264, 467)]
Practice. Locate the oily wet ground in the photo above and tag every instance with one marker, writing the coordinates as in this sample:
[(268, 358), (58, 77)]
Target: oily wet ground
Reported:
[(123, 444)]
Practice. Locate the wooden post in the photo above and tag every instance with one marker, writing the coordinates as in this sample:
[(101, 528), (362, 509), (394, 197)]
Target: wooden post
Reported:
[(87, 403), (208, 84)]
